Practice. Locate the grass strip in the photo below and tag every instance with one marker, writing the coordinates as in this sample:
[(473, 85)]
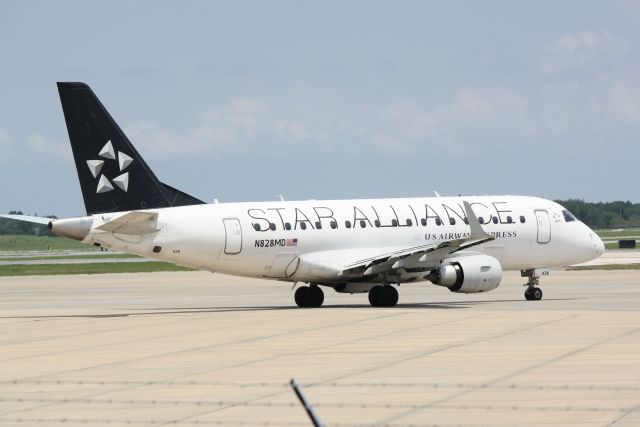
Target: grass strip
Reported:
[(618, 233), (97, 268), (40, 258), (13, 242), (615, 246), (605, 267)]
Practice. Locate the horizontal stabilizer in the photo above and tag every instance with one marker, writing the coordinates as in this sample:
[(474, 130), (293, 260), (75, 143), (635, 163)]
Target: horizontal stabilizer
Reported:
[(134, 223), (27, 218)]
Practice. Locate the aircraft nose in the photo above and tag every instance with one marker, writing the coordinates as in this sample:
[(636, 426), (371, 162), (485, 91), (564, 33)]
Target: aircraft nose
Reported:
[(599, 245), (596, 243)]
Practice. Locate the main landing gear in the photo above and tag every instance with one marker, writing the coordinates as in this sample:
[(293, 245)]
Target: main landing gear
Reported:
[(383, 296), (533, 292), (309, 296)]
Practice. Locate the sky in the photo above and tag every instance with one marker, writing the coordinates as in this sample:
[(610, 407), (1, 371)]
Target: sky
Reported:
[(243, 101)]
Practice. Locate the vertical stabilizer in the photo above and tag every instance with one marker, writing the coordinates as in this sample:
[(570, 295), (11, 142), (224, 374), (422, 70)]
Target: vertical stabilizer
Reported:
[(113, 176)]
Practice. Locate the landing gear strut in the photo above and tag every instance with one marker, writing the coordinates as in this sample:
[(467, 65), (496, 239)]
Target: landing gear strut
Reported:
[(309, 296), (533, 292), (383, 296)]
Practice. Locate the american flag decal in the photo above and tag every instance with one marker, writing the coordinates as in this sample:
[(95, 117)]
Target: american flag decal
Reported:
[(292, 242)]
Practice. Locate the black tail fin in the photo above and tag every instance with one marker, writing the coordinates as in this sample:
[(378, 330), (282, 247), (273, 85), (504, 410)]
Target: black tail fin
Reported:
[(113, 176)]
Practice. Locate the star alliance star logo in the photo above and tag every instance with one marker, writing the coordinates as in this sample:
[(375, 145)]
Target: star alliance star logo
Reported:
[(95, 166)]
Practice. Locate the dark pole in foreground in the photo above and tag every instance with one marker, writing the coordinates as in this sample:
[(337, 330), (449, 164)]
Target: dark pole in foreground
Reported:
[(307, 406)]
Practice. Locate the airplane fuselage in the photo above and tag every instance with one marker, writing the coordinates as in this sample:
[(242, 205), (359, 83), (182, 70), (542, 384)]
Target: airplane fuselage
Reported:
[(314, 240)]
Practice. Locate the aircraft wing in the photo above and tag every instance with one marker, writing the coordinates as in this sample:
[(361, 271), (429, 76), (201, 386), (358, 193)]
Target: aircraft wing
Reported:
[(425, 254), (27, 218), (134, 223)]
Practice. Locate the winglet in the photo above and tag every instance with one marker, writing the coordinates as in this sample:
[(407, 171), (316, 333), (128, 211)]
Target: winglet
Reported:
[(477, 232)]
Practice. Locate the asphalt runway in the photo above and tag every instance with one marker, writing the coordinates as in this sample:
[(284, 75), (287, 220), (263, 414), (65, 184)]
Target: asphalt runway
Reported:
[(201, 349)]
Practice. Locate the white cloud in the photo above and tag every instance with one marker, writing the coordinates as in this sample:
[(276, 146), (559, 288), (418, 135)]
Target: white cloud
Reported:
[(51, 147), (291, 130), (6, 142), (472, 119), (625, 103), (605, 101), (409, 120), (497, 108), (334, 124), (581, 51), (233, 127), (157, 142), (469, 116)]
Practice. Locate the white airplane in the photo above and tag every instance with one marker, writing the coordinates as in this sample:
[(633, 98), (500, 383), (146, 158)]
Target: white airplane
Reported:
[(351, 246)]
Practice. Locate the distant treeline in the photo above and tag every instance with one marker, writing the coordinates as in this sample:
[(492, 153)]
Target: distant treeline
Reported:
[(11, 226), (604, 214), (595, 215)]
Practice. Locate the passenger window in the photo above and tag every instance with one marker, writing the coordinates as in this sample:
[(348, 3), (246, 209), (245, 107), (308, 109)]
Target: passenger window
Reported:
[(509, 220), (256, 227), (377, 223), (318, 225), (466, 221), (363, 223), (409, 222), (481, 220), (522, 219), (303, 225), (452, 221), (272, 226), (287, 226), (334, 225), (568, 216), (495, 219), (394, 222), (347, 224), (438, 221), (423, 221)]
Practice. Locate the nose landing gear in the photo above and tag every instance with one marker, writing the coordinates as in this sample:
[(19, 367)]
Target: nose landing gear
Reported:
[(533, 292)]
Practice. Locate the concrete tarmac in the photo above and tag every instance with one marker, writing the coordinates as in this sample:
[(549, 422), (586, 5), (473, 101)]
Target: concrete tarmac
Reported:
[(194, 348)]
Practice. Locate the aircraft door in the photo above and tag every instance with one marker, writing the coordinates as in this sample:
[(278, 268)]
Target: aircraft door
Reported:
[(544, 226), (233, 236)]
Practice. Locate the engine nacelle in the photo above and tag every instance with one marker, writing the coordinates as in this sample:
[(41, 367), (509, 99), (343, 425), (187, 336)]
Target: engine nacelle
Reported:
[(468, 274)]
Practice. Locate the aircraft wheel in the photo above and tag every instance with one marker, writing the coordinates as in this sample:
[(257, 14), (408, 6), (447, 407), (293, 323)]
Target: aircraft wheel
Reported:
[(533, 294), (527, 294), (536, 294), (389, 296), (300, 294), (383, 296), (374, 294), (314, 297)]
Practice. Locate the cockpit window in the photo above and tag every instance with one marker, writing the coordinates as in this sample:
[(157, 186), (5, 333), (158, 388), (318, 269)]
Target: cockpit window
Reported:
[(568, 216)]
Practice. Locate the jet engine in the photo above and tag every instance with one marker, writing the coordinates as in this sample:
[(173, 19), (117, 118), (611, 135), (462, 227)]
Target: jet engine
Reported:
[(468, 274)]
